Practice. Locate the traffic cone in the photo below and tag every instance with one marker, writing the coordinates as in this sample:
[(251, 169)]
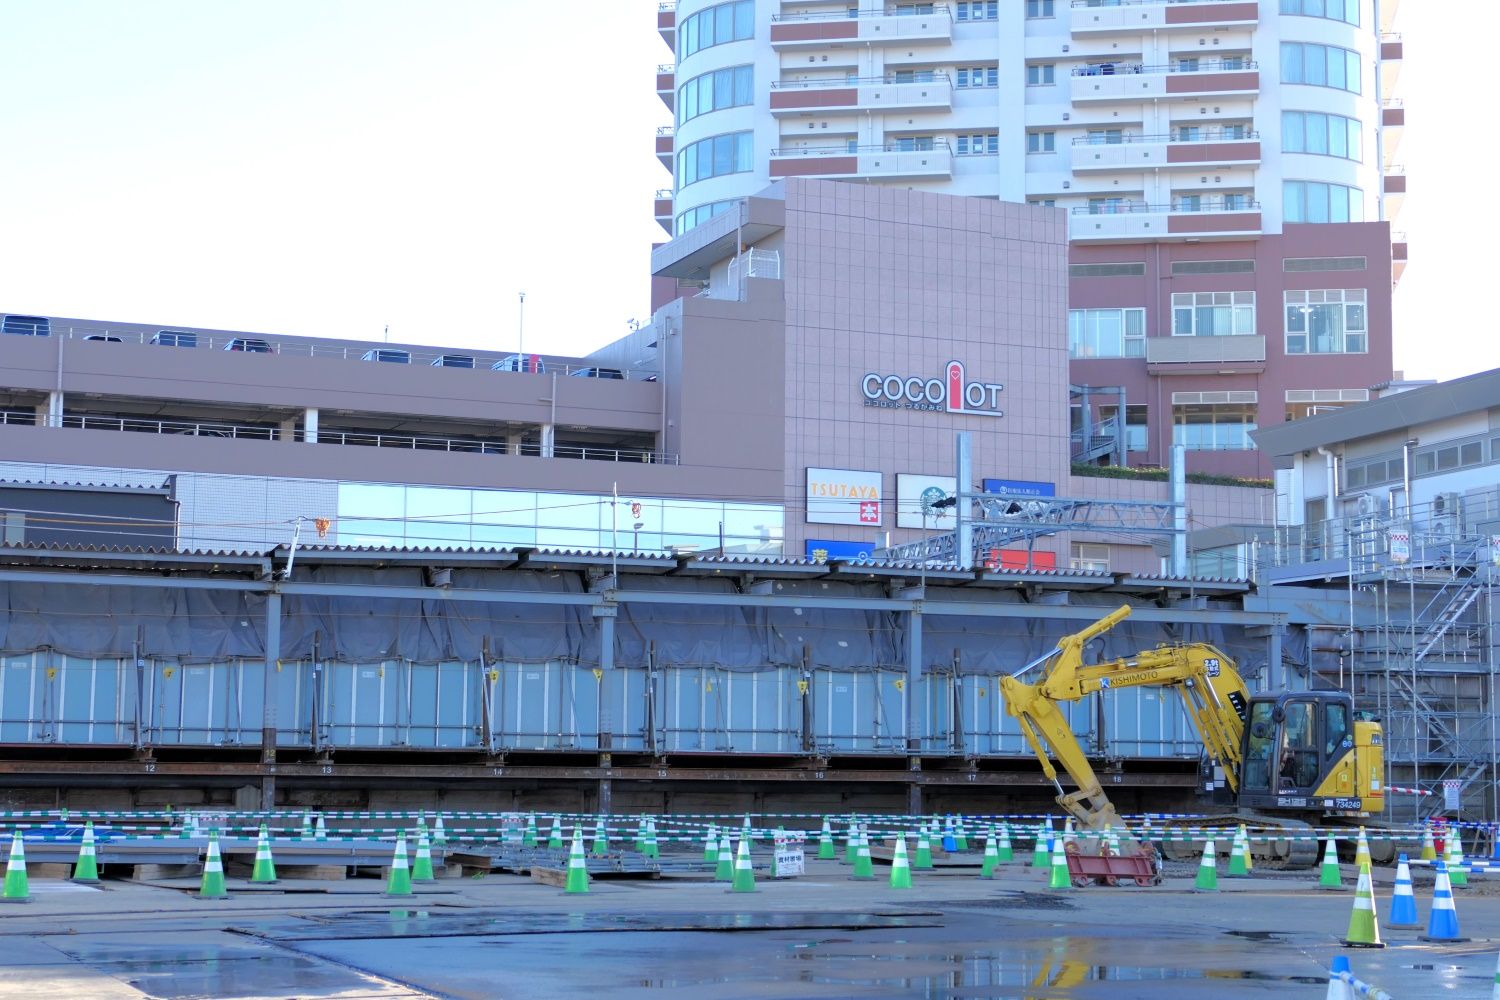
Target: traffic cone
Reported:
[(1455, 859), (87, 868), (17, 889), (1249, 854), (440, 838), (578, 869), (744, 875), (213, 872), (1442, 922), (825, 843), (1361, 850), (851, 843), (529, 840), (554, 834), (601, 837), (711, 845), (1329, 876), (864, 868), (640, 835), (306, 833), (1364, 928), (421, 867), (1208, 870), (399, 884), (1004, 852), (1040, 855), (724, 872), (1495, 993), (1403, 900), (991, 858), (900, 869), (320, 830), (1059, 877), (1429, 850), (746, 833), (960, 835), (923, 860), (1338, 986), (1237, 853), (1069, 834), (653, 850), (264, 869)]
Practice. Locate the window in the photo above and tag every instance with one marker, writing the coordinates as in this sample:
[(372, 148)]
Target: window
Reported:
[(1320, 66), (1135, 424), (1041, 74), (1325, 135), (979, 76), (912, 76), (1108, 206), (1187, 203), (1327, 321), (723, 154), (1187, 65), (979, 10), (1106, 136), (979, 144), (914, 143), (27, 326), (1314, 201), (1106, 333), (914, 8), (1213, 426), (1089, 557), (1039, 8), (1041, 142), (726, 22), (1044, 202), (695, 217), (1213, 314), (1336, 10), (726, 88)]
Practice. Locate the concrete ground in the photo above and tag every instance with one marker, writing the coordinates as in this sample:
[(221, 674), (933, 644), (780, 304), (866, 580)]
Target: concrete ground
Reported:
[(821, 935)]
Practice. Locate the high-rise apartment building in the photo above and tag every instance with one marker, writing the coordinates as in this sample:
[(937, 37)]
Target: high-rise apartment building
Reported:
[(1225, 166)]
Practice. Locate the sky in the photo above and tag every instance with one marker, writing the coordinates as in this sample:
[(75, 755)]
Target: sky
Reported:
[(337, 167)]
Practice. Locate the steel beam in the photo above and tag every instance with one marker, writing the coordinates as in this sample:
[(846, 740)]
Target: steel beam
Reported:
[(268, 710)]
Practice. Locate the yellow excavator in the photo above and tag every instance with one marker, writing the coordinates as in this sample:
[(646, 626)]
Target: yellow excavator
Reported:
[(1290, 758)]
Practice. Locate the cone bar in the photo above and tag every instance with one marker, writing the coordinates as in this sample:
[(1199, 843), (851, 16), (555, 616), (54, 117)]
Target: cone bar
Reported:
[(264, 870), (213, 872), (87, 868), (17, 889), (1364, 928), (578, 869), (307, 832), (399, 884), (744, 875), (825, 843), (1442, 922), (724, 872), (1329, 876), (421, 869), (1403, 901), (640, 835), (1208, 870)]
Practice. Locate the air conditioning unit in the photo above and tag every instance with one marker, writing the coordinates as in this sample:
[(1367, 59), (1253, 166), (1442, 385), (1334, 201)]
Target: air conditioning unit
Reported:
[(1367, 505), (1447, 514)]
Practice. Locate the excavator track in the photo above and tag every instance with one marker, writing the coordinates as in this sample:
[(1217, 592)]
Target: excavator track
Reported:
[(1298, 851)]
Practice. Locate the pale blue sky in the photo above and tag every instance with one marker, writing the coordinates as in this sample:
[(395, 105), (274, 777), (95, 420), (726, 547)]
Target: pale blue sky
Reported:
[(327, 167)]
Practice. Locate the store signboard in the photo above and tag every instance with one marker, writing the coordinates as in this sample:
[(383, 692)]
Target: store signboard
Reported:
[(915, 499), (824, 550), (843, 496), (1020, 488)]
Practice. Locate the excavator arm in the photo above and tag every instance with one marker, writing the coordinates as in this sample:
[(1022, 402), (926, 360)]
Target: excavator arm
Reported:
[(1212, 692)]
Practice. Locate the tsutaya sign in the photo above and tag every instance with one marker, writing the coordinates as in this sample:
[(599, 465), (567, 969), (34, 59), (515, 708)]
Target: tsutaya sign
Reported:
[(953, 393)]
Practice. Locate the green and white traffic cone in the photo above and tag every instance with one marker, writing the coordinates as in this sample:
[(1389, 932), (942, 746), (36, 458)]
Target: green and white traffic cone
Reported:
[(1058, 877), (923, 860), (640, 835), (399, 884), (421, 868), (744, 874), (87, 868), (1364, 928), (320, 830), (1208, 870), (213, 871), (1455, 859), (851, 843), (439, 835), (1329, 876), (1041, 856), (711, 845), (864, 867), (960, 835), (307, 831), (1237, 852), (264, 869), (601, 837), (554, 834), (529, 840), (900, 867), (991, 858), (578, 869), (653, 848), (17, 888), (825, 843), (1004, 853), (724, 870), (746, 831), (1361, 851)]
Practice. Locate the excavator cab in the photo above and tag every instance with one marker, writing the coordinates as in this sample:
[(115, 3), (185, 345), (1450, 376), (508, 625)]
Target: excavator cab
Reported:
[(1307, 750)]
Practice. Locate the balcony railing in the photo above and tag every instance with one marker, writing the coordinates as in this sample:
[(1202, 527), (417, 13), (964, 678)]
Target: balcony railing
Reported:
[(1198, 66), (1239, 349), (835, 83), (1143, 3), (939, 10), (1141, 207), (1206, 135), (938, 145)]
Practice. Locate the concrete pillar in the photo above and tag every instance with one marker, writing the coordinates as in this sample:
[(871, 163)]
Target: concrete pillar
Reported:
[(50, 414), (268, 710), (310, 425), (286, 429), (913, 716)]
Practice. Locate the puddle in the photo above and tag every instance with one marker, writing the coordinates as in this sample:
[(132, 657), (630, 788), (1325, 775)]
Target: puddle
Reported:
[(191, 971)]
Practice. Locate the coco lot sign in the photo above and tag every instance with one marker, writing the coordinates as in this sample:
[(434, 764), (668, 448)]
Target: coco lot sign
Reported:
[(953, 393)]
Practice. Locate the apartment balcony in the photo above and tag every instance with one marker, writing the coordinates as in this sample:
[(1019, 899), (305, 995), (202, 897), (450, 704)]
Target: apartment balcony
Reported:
[(1135, 16), (1398, 256), (865, 27), (1217, 147), (1129, 222), (665, 136), (666, 85), (893, 161), (666, 23), (1205, 355), (1390, 61), (1392, 126), (1134, 82), (875, 94), (664, 209), (1394, 186)]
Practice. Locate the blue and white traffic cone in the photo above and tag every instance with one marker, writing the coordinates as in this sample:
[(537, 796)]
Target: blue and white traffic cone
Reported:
[(1403, 901)]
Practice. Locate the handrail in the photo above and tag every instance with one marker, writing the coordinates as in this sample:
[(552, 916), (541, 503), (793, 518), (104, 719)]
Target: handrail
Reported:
[(854, 15), (1117, 68), (1212, 135), (664, 194), (666, 130), (938, 145), (667, 5), (666, 68), (1135, 207), (870, 81), (1140, 3)]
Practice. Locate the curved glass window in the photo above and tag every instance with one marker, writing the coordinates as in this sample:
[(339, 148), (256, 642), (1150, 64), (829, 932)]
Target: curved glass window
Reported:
[(1320, 66), (724, 88), (731, 153), (726, 22), (695, 217), (1314, 201), (1335, 10), (1326, 135)]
